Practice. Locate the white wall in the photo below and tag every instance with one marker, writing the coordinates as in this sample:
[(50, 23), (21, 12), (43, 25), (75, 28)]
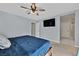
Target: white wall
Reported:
[(11, 25), (51, 33), (77, 28)]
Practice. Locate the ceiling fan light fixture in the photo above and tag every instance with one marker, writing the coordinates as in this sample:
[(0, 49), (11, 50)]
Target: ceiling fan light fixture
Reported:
[(33, 9)]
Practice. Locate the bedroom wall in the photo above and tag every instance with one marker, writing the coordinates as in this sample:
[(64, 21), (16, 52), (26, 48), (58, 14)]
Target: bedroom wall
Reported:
[(12, 25), (51, 33)]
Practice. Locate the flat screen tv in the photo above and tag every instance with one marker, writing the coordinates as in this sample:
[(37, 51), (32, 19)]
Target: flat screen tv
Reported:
[(49, 23)]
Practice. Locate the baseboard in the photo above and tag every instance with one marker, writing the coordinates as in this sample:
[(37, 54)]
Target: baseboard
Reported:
[(55, 41)]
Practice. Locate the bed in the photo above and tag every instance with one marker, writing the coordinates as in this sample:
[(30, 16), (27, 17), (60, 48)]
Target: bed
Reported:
[(27, 46)]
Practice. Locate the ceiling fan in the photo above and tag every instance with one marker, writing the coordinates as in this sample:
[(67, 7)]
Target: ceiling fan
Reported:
[(33, 9)]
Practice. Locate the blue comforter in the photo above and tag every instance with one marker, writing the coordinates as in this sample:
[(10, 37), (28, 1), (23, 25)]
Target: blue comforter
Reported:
[(26, 46)]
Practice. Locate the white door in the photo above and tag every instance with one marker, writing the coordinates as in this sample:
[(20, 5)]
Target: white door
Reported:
[(35, 29)]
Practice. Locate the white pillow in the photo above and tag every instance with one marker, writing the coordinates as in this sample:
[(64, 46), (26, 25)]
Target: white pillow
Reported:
[(4, 42)]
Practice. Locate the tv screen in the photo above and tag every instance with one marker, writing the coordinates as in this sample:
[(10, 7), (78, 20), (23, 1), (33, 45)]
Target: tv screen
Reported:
[(49, 23)]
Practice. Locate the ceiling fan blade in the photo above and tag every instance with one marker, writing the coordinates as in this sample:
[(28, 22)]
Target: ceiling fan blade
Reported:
[(24, 7), (41, 9)]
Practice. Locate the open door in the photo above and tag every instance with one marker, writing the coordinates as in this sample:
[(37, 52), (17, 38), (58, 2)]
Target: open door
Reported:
[(35, 29)]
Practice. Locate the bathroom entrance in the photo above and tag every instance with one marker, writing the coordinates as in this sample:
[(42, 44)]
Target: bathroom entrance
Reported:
[(67, 29)]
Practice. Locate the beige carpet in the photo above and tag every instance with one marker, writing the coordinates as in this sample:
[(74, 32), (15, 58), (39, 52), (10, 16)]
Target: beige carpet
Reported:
[(63, 50), (68, 42)]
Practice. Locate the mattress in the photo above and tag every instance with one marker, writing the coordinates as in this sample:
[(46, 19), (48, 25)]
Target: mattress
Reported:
[(26, 46)]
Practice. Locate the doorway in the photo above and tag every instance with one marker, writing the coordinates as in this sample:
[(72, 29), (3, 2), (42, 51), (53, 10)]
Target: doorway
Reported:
[(33, 29), (67, 29)]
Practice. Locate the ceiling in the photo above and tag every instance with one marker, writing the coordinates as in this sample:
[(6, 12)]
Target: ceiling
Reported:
[(52, 9)]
